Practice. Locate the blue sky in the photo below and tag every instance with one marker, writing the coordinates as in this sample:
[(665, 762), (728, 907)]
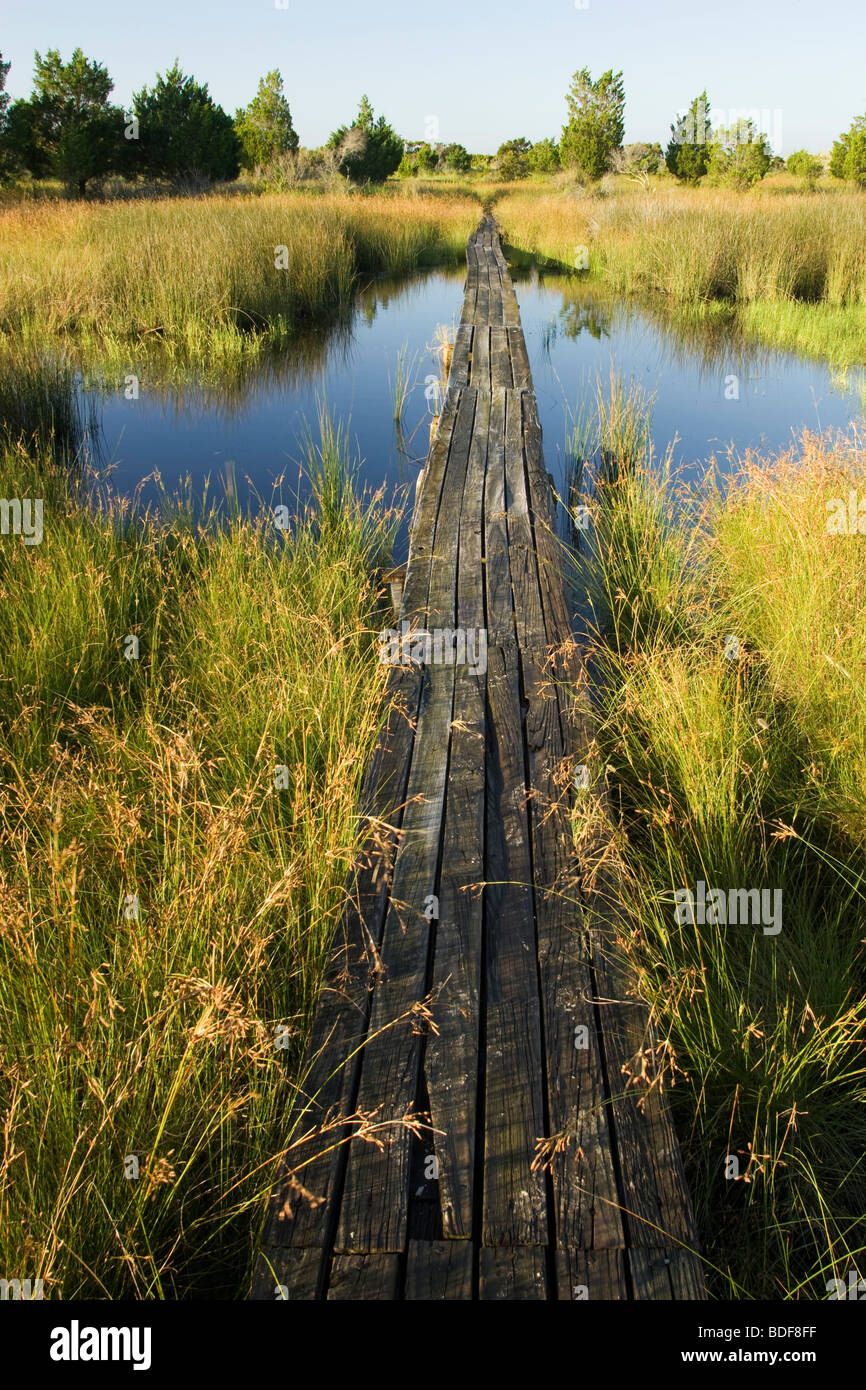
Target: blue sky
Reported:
[(477, 71)]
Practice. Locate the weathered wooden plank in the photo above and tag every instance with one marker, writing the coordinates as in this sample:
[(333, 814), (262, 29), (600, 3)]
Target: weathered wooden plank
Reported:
[(439, 1270), (451, 1056), (514, 1194), (519, 359), (590, 1275), (442, 597), (654, 1192), (495, 313), (666, 1274), (500, 359), (287, 1275), (687, 1276), (373, 1212), (580, 1155), (470, 290), (481, 315), (364, 1277), (480, 378), (424, 1220), (416, 590), (470, 569), (522, 560), (511, 946), (458, 372), (497, 575), (512, 1274), (511, 311), (514, 1206)]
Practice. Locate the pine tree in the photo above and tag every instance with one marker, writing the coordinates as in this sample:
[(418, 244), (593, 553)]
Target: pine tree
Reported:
[(265, 127), (595, 126)]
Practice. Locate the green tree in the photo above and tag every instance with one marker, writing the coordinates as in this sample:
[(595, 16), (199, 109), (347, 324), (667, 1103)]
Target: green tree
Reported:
[(512, 159), (426, 159), (688, 153), (369, 149), (6, 161), (457, 157), (739, 155), (806, 166), (848, 158), (265, 127), (543, 158), (183, 133), (595, 125), (4, 95), (68, 126)]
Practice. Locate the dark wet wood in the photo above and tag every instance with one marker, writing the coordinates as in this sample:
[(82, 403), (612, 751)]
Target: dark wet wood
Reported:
[(466, 1128)]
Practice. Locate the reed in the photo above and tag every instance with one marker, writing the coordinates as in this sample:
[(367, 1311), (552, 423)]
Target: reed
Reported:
[(743, 765), (794, 267), (176, 825), (209, 277)]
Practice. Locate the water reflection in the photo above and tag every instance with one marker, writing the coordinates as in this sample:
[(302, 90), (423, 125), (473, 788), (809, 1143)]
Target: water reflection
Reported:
[(713, 393)]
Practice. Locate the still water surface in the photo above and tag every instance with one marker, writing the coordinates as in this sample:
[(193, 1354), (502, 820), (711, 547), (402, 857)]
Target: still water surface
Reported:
[(712, 395)]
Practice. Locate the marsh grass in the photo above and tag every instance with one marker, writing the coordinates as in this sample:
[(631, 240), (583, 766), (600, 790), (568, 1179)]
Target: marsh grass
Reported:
[(745, 773), (405, 379), (792, 268), (43, 410), (165, 903), (201, 277)]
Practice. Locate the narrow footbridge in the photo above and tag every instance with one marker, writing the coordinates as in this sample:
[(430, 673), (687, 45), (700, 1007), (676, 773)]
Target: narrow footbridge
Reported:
[(483, 1112)]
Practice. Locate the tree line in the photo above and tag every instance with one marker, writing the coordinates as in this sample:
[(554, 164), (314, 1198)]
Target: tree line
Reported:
[(68, 128)]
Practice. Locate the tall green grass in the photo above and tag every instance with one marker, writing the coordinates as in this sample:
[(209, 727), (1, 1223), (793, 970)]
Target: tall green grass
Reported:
[(793, 269), (745, 767), (205, 278), (175, 834)]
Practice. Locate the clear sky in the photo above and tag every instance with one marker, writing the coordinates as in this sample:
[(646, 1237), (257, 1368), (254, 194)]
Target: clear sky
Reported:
[(483, 70)]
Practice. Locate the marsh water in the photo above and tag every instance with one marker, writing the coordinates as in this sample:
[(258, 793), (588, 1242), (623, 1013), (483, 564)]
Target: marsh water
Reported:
[(713, 396)]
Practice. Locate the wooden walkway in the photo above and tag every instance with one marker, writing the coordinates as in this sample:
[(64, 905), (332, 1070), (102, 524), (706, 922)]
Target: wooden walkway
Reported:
[(500, 1147)]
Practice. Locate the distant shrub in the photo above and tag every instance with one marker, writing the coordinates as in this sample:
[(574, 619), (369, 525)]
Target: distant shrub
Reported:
[(369, 150), (458, 158), (688, 152), (806, 166), (543, 158), (739, 156), (848, 159), (512, 159)]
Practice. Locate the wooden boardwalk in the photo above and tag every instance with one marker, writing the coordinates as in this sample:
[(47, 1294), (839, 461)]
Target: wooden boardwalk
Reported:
[(500, 1148)]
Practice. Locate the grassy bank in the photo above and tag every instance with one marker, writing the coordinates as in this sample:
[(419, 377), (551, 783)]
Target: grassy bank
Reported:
[(743, 765), (204, 279), (176, 826), (791, 270)]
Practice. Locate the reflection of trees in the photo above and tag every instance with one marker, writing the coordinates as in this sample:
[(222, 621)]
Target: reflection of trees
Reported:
[(391, 289), (685, 337), (584, 318)]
